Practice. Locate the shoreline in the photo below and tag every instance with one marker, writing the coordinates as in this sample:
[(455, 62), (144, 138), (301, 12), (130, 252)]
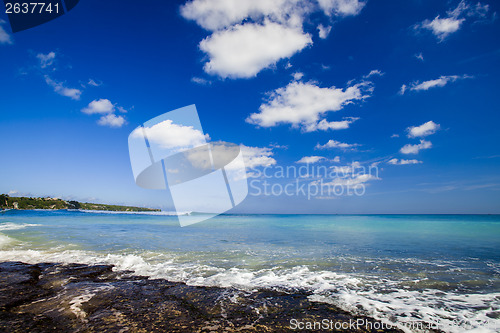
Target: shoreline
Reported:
[(94, 298)]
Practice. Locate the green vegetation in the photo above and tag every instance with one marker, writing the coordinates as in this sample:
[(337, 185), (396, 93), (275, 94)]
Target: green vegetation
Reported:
[(7, 202)]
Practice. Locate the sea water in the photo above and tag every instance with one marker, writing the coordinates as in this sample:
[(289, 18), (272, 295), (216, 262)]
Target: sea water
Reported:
[(442, 271)]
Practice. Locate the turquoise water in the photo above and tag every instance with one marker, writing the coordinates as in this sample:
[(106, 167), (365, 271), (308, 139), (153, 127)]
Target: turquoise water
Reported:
[(436, 268)]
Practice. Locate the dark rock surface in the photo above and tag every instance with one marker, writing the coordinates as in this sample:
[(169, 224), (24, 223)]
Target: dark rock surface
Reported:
[(82, 298)]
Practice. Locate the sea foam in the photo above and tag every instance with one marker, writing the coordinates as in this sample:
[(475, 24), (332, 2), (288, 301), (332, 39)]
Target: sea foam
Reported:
[(383, 300)]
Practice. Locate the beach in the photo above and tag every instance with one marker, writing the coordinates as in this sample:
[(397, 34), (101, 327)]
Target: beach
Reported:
[(98, 271)]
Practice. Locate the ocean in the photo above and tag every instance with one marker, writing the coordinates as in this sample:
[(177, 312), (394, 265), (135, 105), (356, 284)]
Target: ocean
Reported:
[(413, 271)]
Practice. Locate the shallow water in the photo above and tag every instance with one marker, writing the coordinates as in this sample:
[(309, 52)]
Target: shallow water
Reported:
[(433, 268)]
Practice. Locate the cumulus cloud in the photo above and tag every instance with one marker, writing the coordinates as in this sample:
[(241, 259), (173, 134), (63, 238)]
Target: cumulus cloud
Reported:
[(5, 37), (426, 85), (423, 130), (46, 60), (347, 169), (303, 104), (244, 50), (337, 144), (323, 31), (395, 161), (248, 36), (102, 105), (311, 159), (169, 135), (297, 76), (59, 88), (257, 157), (106, 109), (341, 7), (111, 120), (416, 148), (219, 14), (442, 27)]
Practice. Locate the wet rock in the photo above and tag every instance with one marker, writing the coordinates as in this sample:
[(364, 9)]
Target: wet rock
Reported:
[(83, 298)]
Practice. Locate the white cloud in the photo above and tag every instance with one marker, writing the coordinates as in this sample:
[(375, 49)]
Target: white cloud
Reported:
[(244, 50), (59, 88), (426, 85), (443, 27), (5, 37), (395, 161), (122, 109), (423, 130), (297, 76), (323, 31), (219, 14), (336, 159), (248, 36), (325, 125), (99, 106), (341, 7), (310, 159), (111, 120), (257, 157), (94, 83), (105, 108), (336, 144), (303, 104), (169, 135), (347, 169), (419, 56), (395, 136), (200, 80), (352, 181), (374, 72), (416, 148), (46, 59)]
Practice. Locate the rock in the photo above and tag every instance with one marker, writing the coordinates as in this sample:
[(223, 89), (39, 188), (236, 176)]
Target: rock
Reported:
[(83, 298)]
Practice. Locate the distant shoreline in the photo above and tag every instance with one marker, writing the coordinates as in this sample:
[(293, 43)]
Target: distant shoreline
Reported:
[(48, 203)]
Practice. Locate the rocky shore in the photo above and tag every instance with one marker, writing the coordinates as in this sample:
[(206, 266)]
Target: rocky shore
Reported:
[(81, 298)]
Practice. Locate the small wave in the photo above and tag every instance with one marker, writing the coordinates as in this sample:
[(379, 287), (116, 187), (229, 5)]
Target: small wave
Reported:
[(5, 240), (133, 213), (15, 226)]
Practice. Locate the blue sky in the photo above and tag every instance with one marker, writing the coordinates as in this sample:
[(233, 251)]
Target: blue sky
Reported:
[(410, 88)]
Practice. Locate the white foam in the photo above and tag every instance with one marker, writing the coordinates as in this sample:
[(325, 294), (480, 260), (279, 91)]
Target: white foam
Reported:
[(15, 226), (162, 213), (75, 305), (454, 312), (5, 240)]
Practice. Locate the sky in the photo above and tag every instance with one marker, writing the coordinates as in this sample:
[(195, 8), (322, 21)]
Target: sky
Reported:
[(408, 89)]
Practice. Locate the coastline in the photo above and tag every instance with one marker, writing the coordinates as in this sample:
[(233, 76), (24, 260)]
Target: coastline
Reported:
[(94, 298)]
